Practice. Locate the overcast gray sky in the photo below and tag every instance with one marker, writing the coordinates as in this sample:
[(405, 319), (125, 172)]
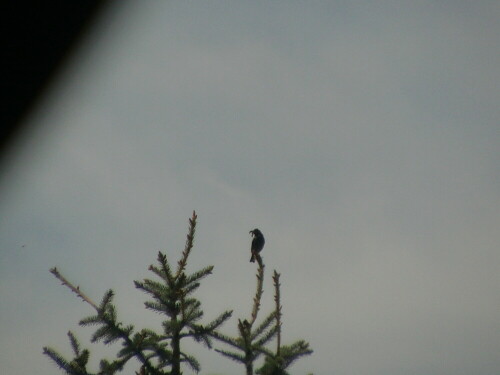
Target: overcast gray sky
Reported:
[(361, 137)]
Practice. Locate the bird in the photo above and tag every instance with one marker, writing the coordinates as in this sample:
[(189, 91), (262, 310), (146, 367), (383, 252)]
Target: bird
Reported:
[(257, 244)]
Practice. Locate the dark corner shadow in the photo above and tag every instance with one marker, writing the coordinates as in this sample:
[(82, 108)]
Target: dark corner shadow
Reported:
[(37, 39)]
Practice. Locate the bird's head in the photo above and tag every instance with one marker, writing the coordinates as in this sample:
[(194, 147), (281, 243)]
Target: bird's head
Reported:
[(255, 232)]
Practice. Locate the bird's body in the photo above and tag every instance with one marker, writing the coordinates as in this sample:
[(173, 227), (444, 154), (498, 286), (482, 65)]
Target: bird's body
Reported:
[(257, 244)]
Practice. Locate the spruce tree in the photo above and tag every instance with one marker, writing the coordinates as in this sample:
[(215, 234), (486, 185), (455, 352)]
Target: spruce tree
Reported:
[(276, 363), (251, 342), (159, 353)]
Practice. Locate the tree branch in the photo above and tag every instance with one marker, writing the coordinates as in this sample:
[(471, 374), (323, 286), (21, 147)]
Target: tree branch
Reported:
[(74, 289), (276, 280), (188, 246), (258, 294)]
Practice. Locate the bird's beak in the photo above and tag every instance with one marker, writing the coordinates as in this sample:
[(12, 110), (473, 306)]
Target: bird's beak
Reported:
[(251, 231)]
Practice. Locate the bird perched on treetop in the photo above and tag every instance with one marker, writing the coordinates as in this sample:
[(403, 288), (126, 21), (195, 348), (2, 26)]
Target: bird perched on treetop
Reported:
[(257, 243)]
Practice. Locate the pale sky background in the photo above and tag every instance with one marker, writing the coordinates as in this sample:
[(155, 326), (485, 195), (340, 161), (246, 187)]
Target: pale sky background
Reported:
[(361, 137)]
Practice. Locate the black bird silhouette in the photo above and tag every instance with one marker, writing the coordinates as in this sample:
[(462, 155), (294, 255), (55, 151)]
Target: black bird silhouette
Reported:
[(257, 244)]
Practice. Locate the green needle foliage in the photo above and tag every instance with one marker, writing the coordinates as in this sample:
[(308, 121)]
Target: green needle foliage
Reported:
[(251, 342), (171, 295), (78, 365), (159, 353), (276, 363)]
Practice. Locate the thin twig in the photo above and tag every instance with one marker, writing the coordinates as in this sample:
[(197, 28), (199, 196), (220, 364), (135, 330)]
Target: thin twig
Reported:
[(74, 289), (189, 245), (276, 280), (258, 294)]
